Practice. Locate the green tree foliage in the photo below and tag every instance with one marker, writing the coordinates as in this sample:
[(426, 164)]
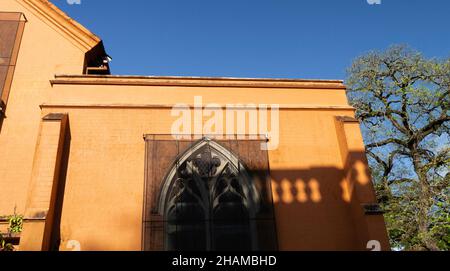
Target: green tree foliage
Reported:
[(403, 103)]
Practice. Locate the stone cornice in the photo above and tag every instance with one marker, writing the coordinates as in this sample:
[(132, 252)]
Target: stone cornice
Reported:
[(72, 29), (197, 82), (301, 107)]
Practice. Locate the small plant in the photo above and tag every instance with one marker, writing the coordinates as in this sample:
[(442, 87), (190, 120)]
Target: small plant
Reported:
[(15, 224), (5, 246)]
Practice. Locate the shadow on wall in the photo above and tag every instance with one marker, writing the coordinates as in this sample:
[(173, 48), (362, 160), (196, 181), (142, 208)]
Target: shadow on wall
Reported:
[(315, 209), (318, 185), (323, 208), (2, 114), (55, 237)]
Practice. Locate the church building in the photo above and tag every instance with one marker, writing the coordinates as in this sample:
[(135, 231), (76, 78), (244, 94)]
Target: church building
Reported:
[(101, 162)]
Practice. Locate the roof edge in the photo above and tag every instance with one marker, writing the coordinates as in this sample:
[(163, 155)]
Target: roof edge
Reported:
[(196, 81), (199, 78), (74, 30)]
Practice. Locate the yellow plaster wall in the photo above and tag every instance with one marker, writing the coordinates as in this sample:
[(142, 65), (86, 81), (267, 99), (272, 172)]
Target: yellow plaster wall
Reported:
[(103, 199), (44, 52), (105, 180), (169, 95)]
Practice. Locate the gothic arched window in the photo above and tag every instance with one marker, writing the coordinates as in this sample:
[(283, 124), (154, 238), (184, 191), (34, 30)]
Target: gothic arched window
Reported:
[(207, 195), (208, 201)]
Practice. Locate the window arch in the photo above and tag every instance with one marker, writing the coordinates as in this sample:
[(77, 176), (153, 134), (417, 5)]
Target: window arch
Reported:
[(208, 201), (207, 195)]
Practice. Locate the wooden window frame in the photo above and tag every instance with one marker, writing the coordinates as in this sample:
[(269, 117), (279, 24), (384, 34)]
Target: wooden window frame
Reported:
[(154, 224)]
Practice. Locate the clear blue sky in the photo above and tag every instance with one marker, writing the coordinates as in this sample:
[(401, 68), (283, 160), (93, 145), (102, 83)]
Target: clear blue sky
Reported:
[(258, 38)]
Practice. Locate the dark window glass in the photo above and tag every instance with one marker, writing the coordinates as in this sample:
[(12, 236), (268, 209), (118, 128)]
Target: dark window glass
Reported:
[(3, 74), (8, 33), (208, 199), (11, 28)]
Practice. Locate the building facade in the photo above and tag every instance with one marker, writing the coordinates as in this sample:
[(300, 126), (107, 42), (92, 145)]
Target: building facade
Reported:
[(102, 162)]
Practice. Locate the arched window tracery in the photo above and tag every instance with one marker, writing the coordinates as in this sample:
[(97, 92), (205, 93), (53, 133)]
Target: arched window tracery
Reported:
[(207, 195), (209, 201)]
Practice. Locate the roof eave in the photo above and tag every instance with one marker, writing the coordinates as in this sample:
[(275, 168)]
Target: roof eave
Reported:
[(197, 81), (75, 31)]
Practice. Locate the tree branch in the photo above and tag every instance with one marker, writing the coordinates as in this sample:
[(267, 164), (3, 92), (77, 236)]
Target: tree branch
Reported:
[(387, 142)]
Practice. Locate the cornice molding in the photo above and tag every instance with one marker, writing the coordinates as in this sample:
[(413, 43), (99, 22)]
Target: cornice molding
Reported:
[(300, 107), (197, 82), (346, 119), (72, 29)]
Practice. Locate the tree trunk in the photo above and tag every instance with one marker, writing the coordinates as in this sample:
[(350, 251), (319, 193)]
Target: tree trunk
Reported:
[(425, 204)]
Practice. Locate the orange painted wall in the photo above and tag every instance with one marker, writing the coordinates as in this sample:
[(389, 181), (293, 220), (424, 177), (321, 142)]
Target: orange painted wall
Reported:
[(44, 52), (104, 190), (106, 164), (105, 180)]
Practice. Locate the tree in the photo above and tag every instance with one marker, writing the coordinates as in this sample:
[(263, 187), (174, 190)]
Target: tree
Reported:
[(403, 103)]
